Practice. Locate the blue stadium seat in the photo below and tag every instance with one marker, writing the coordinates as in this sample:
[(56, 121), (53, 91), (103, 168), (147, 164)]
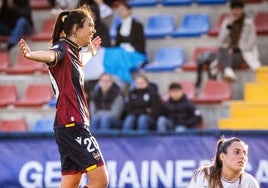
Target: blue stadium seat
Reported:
[(44, 125), (193, 25), (116, 21), (143, 3), (159, 26), (166, 59), (52, 102), (176, 2), (211, 2)]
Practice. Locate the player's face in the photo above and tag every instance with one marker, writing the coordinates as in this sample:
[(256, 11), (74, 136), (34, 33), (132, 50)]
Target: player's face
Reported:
[(85, 34), (236, 158)]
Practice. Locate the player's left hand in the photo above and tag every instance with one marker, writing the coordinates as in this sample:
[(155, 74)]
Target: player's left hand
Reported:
[(95, 45)]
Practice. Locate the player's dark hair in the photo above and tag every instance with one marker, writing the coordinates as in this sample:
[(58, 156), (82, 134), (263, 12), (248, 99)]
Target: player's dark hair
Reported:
[(66, 21)]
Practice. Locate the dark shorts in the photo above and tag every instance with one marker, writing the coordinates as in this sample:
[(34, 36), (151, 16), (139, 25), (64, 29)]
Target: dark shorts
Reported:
[(79, 150)]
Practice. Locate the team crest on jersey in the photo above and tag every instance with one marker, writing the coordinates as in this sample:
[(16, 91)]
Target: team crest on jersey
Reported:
[(79, 139), (96, 155)]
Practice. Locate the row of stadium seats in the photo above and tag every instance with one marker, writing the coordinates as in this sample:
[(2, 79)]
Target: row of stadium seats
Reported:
[(162, 25), (38, 95), (20, 125), (164, 59), (143, 3), (44, 4), (191, 25)]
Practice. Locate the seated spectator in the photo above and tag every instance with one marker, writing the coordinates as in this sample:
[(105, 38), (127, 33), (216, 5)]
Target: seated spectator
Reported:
[(106, 104), (129, 50), (142, 106), (178, 112), (15, 20), (237, 39)]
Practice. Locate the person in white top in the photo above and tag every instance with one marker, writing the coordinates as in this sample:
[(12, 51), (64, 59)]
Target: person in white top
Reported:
[(227, 169)]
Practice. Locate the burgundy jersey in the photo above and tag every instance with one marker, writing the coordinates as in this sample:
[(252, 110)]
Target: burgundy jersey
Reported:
[(67, 78)]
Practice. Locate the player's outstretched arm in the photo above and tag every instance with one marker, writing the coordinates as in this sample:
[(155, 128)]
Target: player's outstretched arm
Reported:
[(48, 56)]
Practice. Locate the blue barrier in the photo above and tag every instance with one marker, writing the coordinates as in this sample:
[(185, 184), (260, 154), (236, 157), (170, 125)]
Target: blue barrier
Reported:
[(133, 160)]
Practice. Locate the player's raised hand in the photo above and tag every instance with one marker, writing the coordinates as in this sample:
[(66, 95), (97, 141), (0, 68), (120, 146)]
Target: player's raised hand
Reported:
[(95, 45), (24, 48)]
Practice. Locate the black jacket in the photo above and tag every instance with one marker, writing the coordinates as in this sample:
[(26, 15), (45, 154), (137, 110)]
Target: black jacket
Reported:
[(182, 112), (136, 37), (144, 101)]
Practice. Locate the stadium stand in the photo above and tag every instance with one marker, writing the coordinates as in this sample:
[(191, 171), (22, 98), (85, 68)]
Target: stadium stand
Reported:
[(188, 88), (159, 26), (214, 91), (142, 3), (115, 22), (46, 31), (261, 22), (176, 2), (8, 95), (43, 125), (166, 59), (256, 91), (213, 32), (40, 4), (193, 25), (191, 65), (24, 66), (13, 125), (251, 112), (262, 74), (211, 2), (4, 57), (36, 95)]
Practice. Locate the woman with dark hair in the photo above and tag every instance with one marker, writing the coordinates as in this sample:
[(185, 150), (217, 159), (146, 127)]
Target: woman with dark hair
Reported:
[(79, 151), (227, 168), (237, 41)]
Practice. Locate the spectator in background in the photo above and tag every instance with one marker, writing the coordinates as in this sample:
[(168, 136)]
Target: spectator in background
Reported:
[(105, 11), (237, 39), (130, 35), (129, 51), (178, 112), (142, 106), (94, 68), (106, 104), (60, 5), (227, 168), (15, 20)]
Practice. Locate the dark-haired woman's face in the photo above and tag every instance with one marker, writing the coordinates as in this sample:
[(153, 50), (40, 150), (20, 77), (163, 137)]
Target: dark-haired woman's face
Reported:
[(237, 13), (85, 34), (236, 157), (123, 11)]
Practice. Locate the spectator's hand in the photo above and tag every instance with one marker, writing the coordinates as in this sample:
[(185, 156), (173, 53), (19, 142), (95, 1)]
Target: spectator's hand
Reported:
[(95, 45), (24, 48)]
